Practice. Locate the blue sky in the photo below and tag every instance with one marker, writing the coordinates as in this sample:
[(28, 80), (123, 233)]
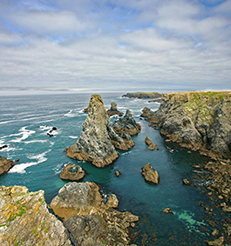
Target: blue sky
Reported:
[(136, 45)]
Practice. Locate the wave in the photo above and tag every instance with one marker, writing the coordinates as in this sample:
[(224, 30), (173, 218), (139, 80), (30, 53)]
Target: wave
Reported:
[(73, 113), (35, 141), (21, 167), (25, 134)]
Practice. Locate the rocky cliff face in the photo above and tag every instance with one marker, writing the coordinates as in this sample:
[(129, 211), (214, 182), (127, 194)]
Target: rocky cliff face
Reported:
[(197, 120), (98, 140), (25, 219), (5, 165), (88, 221)]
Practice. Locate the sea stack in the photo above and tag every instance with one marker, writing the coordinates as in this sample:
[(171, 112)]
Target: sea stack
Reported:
[(98, 140)]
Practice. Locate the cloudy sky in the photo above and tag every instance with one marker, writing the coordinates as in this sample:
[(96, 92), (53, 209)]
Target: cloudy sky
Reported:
[(115, 45)]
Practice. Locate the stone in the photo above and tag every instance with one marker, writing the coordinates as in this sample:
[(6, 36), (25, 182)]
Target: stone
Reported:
[(152, 146), (167, 211), (5, 165), (117, 173), (217, 242), (186, 182), (98, 139), (25, 219), (113, 110), (227, 209), (112, 201), (150, 174), (148, 141), (72, 172), (16, 160), (127, 124)]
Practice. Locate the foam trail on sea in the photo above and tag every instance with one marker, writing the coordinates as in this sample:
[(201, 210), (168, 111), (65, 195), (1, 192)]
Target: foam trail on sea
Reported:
[(25, 134), (36, 141), (21, 167)]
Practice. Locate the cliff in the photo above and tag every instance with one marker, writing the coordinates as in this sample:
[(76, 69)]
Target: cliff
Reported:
[(197, 120), (25, 219), (98, 140), (143, 95)]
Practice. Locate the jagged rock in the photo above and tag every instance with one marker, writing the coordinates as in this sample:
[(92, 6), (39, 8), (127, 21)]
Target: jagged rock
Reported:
[(150, 174), (117, 173), (148, 141), (25, 219), (217, 242), (186, 182), (82, 200), (151, 146), (112, 201), (16, 160), (113, 110), (122, 141), (127, 124), (148, 115), (5, 165), (97, 140), (167, 211), (72, 172)]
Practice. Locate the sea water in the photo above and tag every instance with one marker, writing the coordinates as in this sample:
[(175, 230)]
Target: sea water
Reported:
[(24, 124)]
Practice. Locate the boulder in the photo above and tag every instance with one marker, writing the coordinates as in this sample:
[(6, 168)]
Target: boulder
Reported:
[(113, 110), (25, 219), (112, 201), (151, 145), (117, 173), (72, 172), (148, 141), (127, 124), (88, 220), (5, 165), (98, 139), (150, 174), (167, 211)]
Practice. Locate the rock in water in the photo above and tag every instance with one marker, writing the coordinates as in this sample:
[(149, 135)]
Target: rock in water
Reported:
[(113, 110), (94, 144), (25, 219), (150, 174), (5, 165), (72, 172), (127, 124)]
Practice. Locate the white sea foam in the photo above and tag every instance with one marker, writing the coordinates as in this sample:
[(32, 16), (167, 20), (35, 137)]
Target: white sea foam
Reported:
[(21, 167), (25, 134), (72, 113), (73, 137), (36, 141)]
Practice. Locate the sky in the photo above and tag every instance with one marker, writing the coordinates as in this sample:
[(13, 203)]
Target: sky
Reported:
[(114, 45)]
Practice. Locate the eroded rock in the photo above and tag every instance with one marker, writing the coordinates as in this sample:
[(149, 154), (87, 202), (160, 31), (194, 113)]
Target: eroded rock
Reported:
[(150, 174)]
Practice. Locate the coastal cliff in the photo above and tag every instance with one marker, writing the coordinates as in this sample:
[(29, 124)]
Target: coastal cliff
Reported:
[(196, 120), (98, 140)]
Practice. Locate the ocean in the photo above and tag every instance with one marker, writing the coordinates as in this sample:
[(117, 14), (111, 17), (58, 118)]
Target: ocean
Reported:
[(24, 124)]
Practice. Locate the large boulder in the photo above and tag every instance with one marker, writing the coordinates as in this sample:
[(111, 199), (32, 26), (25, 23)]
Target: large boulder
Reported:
[(25, 219), (5, 165), (150, 174), (97, 140), (113, 110), (87, 219), (72, 172), (127, 124)]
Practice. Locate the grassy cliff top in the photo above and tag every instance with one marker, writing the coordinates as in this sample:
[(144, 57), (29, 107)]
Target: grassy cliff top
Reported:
[(142, 95)]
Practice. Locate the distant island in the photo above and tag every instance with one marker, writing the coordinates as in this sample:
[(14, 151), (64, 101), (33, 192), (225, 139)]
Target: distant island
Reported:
[(143, 95)]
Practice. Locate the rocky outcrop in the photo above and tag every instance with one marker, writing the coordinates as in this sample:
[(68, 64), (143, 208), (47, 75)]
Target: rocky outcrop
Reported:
[(80, 206), (5, 165), (197, 120), (98, 140), (148, 115), (113, 110), (112, 201), (143, 95), (167, 211), (72, 172), (150, 174), (151, 145), (25, 219), (127, 124)]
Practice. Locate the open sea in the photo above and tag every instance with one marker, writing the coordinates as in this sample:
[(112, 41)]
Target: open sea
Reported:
[(24, 123)]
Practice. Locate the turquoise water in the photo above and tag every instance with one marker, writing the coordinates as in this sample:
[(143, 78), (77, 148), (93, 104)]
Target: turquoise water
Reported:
[(24, 123)]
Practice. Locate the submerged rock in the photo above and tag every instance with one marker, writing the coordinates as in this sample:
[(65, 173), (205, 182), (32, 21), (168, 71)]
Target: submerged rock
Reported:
[(72, 172), (127, 124), (88, 220), (25, 219), (5, 165), (150, 174), (113, 110), (98, 140)]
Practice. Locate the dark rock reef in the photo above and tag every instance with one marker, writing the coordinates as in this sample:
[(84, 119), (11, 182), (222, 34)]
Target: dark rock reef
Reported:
[(143, 95), (88, 220), (5, 165), (25, 219), (127, 124), (72, 172), (98, 140), (113, 110)]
